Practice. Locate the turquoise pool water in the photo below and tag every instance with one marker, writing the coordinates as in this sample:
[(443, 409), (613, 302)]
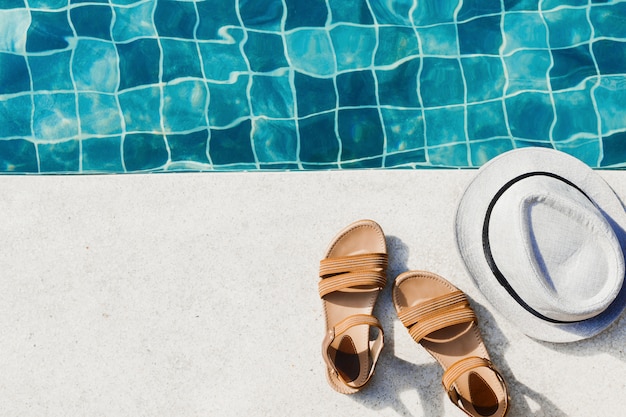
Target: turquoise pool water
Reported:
[(136, 86)]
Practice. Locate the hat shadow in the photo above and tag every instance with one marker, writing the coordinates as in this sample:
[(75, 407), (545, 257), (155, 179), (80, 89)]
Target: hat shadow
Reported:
[(397, 378)]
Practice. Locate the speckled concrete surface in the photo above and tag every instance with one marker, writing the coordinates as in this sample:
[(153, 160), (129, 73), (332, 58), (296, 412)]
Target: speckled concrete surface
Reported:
[(196, 295)]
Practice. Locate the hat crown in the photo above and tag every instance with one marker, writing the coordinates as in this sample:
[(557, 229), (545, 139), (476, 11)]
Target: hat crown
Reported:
[(558, 252)]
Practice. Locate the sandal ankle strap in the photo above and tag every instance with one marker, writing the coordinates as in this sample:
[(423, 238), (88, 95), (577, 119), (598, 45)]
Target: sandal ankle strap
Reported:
[(461, 367), (375, 346)]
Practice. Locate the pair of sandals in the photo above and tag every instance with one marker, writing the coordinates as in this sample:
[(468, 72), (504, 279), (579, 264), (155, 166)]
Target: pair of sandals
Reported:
[(436, 313)]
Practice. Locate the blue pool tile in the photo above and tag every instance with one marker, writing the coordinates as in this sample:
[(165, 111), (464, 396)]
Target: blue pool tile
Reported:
[(571, 66), (305, 14), (608, 20), (524, 143), (180, 59), (273, 96), (356, 88), (524, 30), (430, 12), (94, 66), (314, 95), (614, 147), (55, 116), (486, 120), (480, 36), (279, 166), (48, 31), (527, 70), (261, 14), (476, 8), (102, 154), (453, 155), (185, 105), (18, 155), (567, 27), (14, 76), (392, 12), (99, 114), (483, 151), (228, 102), (231, 146), (139, 63), (360, 132), (12, 4), (265, 51), (275, 140), (398, 86), (553, 4), (395, 44), (444, 125), (141, 109), (85, 25), (356, 11), (484, 77), (214, 16), (370, 162), (223, 61), (404, 129), (123, 2), (51, 72), (318, 140), (15, 116), (189, 147), (133, 22), (354, 46), (439, 40), (610, 98), (47, 4), (59, 157), (406, 158), (519, 5), (530, 115), (175, 19), (13, 30), (310, 51), (144, 151), (587, 149), (606, 53), (575, 114), (440, 82)]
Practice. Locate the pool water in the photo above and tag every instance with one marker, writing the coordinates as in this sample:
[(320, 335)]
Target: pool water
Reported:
[(112, 86)]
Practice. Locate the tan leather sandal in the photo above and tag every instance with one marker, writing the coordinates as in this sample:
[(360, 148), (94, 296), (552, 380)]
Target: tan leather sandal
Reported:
[(353, 272), (439, 317)]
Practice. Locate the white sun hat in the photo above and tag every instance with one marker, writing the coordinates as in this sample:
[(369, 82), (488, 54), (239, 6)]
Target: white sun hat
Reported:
[(543, 237)]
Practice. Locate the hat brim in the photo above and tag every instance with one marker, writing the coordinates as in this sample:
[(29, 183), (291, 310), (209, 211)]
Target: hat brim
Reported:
[(470, 216)]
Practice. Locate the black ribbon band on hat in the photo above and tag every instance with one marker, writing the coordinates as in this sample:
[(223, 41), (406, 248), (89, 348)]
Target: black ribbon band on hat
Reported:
[(487, 247)]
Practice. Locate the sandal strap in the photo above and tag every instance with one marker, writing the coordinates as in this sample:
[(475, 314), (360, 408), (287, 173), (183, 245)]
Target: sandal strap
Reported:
[(411, 315), (461, 367), (441, 320), (351, 321), (436, 314), (342, 264), (363, 279)]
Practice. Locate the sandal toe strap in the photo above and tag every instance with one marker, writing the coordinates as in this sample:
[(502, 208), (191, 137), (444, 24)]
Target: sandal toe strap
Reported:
[(351, 263), (436, 314), (360, 279), (375, 346)]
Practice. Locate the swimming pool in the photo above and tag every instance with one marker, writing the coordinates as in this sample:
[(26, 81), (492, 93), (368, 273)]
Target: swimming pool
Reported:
[(111, 86)]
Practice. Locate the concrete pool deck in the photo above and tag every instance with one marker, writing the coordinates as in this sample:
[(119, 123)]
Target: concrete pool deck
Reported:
[(196, 295)]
